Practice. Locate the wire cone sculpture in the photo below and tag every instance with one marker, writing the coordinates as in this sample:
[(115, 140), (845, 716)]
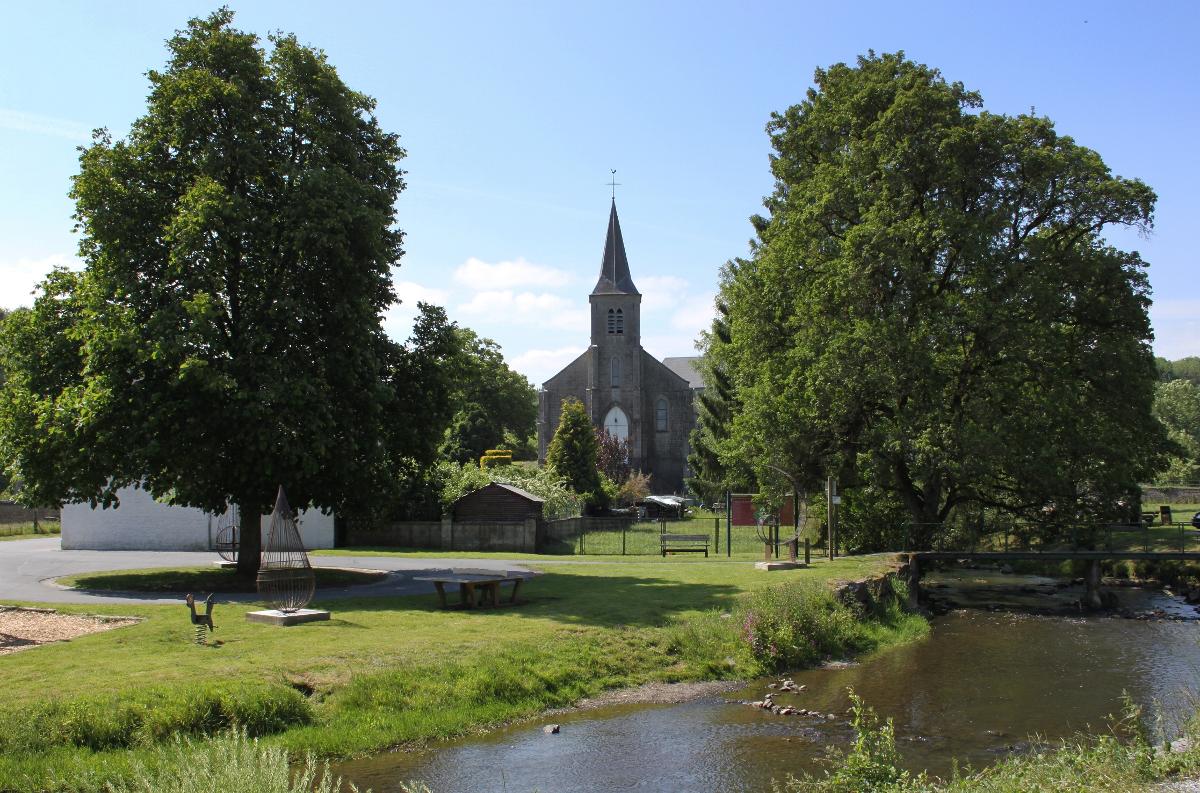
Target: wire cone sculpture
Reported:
[(227, 533), (285, 578)]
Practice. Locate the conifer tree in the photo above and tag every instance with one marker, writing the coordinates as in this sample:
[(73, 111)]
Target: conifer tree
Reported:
[(572, 452)]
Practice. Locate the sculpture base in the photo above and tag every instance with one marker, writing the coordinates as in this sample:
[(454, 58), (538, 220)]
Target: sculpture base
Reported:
[(778, 565), (285, 618)]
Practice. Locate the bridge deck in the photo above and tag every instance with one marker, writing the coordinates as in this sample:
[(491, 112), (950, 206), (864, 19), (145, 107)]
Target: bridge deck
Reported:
[(1000, 556)]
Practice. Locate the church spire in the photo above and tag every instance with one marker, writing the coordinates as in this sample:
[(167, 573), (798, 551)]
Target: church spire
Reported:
[(614, 269)]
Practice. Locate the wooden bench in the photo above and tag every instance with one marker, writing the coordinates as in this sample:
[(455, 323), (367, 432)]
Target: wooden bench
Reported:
[(488, 587), (684, 543)]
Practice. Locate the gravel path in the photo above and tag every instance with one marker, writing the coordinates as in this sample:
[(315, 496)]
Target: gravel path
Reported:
[(21, 628)]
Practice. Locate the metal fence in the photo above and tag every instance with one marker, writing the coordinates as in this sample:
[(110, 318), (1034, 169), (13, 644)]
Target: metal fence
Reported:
[(642, 538)]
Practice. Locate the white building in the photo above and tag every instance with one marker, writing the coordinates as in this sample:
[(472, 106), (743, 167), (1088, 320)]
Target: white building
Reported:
[(142, 524)]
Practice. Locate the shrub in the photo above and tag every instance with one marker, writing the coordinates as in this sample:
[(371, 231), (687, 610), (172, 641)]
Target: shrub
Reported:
[(495, 457), (458, 480)]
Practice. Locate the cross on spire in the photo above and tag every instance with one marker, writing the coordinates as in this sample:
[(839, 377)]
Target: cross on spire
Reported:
[(614, 184)]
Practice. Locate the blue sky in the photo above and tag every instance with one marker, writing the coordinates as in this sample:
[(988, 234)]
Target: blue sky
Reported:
[(513, 114)]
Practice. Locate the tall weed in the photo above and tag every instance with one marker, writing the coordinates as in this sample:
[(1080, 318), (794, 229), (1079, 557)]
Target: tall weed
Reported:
[(150, 716)]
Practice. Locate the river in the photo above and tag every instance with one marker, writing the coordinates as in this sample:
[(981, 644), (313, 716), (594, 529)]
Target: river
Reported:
[(980, 687)]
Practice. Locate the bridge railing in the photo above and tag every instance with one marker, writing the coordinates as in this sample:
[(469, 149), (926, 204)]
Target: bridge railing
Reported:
[(975, 536)]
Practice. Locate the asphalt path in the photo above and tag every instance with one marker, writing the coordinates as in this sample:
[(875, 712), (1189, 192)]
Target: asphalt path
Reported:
[(28, 569)]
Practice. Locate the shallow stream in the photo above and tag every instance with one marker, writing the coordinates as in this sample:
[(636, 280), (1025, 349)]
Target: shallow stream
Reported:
[(983, 685)]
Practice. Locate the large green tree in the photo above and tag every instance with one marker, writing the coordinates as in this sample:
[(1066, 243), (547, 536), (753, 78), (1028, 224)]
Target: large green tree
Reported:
[(225, 337), (490, 399), (930, 308)]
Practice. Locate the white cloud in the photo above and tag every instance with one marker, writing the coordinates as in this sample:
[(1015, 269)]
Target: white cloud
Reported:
[(44, 125), (695, 314), (541, 309), (19, 278), (476, 274), (540, 365), (661, 292), (411, 293)]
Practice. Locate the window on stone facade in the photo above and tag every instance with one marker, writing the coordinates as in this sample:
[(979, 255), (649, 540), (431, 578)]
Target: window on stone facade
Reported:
[(615, 372), (612, 322), (620, 322), (660, 415)]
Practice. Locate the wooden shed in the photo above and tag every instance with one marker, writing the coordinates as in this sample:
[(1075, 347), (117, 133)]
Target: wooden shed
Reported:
[(498, 502)]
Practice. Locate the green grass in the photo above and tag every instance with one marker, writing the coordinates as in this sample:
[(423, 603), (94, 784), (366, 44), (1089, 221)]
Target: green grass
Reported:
[(389, 671), (26, 530), (202, 579)]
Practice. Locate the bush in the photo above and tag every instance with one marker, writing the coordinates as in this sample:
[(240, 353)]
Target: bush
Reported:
[(495, 457), (458, 480)]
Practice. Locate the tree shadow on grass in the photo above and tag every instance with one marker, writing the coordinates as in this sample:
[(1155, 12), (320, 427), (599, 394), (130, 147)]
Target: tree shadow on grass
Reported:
[(604, 601)]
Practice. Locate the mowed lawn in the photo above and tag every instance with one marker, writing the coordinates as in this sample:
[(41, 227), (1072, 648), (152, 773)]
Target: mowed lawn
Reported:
[(606, 601)]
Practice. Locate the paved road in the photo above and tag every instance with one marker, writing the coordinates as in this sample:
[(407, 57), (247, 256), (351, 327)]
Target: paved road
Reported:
[(28, 567)]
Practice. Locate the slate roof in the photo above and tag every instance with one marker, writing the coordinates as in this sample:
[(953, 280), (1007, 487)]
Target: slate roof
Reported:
[(614, 268), (685, 367)]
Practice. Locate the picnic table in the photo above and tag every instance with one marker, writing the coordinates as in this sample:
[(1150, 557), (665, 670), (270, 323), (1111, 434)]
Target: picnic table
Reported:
[(486, 583)]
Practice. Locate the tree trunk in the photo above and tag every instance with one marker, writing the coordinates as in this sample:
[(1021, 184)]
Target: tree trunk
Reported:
[(249, 538)]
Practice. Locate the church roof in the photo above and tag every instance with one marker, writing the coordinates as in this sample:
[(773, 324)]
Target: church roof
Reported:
[(614, 269), (685, 367)]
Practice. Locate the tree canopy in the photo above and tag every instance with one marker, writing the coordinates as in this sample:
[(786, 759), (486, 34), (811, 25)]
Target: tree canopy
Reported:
[(490, 399), (225, 337), (1177, 406), (930, 309)]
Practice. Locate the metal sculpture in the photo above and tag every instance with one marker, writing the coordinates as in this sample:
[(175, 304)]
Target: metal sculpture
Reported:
[(228, 525), (285, 577), (201, 621)]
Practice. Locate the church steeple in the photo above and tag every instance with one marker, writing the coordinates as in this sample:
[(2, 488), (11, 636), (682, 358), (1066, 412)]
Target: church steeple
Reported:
[(614, 268)]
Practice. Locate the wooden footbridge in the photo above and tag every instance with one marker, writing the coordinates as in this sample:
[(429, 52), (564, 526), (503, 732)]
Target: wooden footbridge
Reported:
[(918, 561)]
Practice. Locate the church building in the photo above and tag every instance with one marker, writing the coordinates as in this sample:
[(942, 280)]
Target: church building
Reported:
[(624, 389)]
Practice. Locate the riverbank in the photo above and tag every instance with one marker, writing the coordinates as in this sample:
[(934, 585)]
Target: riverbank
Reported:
[(388, 672)]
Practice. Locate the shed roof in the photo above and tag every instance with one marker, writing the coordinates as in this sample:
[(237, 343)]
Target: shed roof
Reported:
[(525, 494)]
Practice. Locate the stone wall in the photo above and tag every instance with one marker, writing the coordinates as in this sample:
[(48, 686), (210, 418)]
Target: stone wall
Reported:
[(15, 513), (529, 536), (450, 535), (401, 534), (1152, 496)]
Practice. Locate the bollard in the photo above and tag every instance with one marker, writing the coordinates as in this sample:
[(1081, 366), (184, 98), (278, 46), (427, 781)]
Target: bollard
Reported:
[(807, 553)]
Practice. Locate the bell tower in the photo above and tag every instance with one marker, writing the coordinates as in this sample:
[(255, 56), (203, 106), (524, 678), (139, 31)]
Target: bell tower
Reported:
[(615, 365)]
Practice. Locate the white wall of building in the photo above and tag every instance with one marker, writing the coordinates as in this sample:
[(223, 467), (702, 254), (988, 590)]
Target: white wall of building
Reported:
[(142, 524)]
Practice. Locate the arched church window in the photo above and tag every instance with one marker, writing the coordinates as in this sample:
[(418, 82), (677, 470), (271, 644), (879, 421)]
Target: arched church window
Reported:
[(620, 322), (612, 321), (615, 372), (660, 415)]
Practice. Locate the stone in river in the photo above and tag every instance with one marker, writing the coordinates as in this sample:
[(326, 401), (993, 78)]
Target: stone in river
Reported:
[(550, 729)]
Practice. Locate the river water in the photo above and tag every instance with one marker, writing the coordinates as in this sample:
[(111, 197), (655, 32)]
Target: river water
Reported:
[(983, 685)]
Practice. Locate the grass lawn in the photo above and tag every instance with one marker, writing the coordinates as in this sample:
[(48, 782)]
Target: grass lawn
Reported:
[(610, 600), (386, 671), (24, 531), (202, 579)]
